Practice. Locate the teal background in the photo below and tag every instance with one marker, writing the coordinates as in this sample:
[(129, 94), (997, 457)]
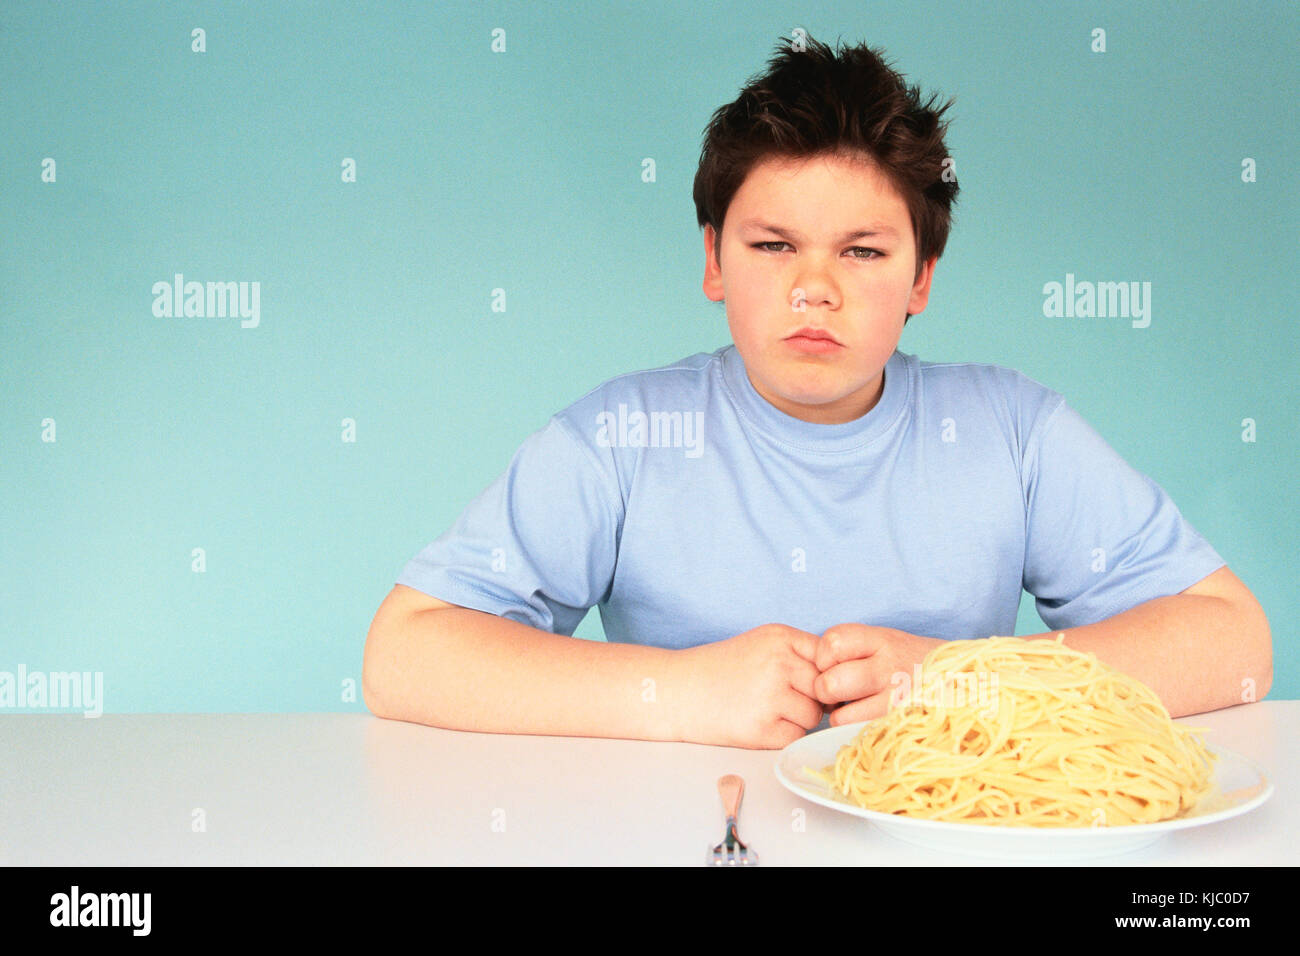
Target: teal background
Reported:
[(522, 171)]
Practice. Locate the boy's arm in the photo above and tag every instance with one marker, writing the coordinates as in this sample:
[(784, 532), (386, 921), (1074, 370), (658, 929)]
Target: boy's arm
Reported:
[(435, 663), (1203, 649), (463, 669), (1102, 535)]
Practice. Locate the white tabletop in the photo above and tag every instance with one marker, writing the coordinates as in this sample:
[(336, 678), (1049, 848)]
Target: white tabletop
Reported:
[(348, 789)]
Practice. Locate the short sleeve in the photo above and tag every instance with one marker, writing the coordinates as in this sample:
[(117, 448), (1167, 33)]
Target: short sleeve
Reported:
[(538, 545), (1101, 537)]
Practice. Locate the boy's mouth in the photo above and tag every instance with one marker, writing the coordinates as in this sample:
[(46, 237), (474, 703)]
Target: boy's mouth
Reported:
[(813, 341)]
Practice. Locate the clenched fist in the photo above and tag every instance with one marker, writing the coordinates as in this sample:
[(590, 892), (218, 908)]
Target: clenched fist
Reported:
[(753, 690), (857, 664)]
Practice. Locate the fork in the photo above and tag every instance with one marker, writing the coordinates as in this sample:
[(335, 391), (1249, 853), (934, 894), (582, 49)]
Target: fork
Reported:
[(731, 851)]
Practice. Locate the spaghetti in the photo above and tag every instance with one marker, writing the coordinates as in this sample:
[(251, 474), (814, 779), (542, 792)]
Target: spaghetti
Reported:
[(1019, 732)]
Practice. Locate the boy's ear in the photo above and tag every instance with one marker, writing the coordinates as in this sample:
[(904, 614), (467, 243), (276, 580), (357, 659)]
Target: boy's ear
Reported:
[(712, 271), (921, 288)]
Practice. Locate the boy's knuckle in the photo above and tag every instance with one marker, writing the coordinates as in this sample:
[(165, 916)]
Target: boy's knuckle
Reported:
[(836, 642)]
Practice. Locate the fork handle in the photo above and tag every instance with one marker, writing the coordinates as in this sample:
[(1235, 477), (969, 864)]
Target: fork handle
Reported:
[(731, 788)]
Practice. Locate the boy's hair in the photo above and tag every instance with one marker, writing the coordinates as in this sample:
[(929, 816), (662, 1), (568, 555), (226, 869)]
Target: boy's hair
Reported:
[(813, 102)]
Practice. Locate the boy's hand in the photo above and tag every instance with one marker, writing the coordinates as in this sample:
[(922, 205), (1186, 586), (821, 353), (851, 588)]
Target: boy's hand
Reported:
[(753, 690), (857, 663)]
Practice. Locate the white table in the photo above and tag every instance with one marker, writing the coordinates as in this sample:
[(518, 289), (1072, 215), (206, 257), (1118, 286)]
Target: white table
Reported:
[(347, 789)]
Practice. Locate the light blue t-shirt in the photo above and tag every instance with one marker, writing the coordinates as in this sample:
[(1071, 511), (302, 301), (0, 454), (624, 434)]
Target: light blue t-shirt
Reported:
[(690, 509)]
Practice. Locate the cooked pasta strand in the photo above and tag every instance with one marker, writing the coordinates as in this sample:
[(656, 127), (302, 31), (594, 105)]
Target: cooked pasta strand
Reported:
[(1058, 739)]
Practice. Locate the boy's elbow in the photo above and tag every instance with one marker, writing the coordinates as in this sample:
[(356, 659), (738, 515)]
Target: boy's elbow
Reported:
[(1266, 658), (370, 689), (387, 681), (375, 666), (1258, 679)]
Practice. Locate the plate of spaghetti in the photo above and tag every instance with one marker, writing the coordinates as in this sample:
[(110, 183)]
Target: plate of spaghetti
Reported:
[(1023, 749)]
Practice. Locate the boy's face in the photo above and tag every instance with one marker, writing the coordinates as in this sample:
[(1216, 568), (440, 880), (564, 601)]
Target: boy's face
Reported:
[(858, 290)]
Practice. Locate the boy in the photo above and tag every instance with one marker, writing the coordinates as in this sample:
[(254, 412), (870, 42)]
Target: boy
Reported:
[(773, 530)]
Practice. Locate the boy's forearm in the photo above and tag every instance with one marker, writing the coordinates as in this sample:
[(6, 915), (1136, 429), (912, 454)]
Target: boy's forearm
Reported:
[(469, 670), (1198, 653)]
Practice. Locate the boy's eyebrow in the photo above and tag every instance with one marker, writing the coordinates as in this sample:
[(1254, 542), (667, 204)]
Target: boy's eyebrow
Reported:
[(875, 229)]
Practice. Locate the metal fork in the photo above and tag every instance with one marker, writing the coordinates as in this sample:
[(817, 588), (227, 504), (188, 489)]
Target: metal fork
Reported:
[(731, 851)]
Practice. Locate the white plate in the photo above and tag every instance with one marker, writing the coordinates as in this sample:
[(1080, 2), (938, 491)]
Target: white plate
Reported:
[(1240, 786)]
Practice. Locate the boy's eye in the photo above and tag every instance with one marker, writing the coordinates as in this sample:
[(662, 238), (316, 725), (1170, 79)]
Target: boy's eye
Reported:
[(870, 253)]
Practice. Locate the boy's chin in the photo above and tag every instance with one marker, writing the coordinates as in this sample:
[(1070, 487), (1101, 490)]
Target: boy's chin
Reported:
[(814, 407), (821, 395), (813, 404)]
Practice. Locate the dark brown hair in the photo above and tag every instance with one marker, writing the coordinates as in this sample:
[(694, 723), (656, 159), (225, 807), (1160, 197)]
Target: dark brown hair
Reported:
[(814, 102)]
